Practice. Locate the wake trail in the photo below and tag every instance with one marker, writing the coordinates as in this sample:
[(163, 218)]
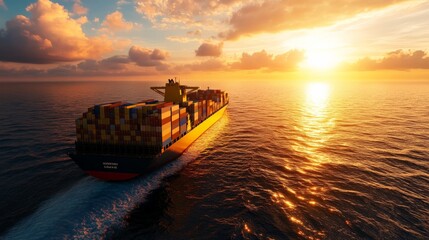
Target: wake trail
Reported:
[(91, 208)]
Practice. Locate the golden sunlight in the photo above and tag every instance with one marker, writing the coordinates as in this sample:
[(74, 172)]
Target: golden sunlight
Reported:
[(319, 60), (315, 124), (322, 50), (317, 94)]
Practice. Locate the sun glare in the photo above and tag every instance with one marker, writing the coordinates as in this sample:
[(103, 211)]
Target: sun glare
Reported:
[(319, 60), (323, 50), (317, 93)]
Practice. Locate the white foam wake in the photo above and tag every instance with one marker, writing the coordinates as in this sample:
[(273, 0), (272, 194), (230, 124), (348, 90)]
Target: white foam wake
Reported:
[(91, 207)]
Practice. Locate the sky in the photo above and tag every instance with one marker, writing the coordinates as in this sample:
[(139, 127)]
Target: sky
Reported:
[(230, 39)]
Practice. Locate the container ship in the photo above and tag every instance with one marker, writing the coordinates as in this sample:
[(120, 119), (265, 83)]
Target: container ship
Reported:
[(120, 140)]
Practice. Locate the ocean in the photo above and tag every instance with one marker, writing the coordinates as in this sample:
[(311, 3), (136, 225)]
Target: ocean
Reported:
[(288, 160)]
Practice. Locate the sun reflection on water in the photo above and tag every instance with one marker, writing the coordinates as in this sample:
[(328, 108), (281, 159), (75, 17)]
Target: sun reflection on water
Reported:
[(314, 128), (317, 95), (315, 124), (292, 203)]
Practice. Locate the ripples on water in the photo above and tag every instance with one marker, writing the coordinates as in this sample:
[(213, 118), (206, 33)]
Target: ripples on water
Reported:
[(288, 160)]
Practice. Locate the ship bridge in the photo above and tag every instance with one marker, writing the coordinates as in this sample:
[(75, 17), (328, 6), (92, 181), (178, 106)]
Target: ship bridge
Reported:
[(174, 92)]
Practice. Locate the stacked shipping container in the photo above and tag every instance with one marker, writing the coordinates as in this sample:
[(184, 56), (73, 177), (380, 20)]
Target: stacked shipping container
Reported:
[(206, 102), (183, 121), (148, 124), (175, 126)]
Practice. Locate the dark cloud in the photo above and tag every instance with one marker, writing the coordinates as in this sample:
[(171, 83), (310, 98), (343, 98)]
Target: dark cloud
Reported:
[(146, 57), (112, 64), (89, 65), (140, 61), (21, 71), (209, 50), (139, 56), (62, 70), (117, 62)]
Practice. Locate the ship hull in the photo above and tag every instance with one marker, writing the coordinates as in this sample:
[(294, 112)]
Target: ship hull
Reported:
[(120, 168)]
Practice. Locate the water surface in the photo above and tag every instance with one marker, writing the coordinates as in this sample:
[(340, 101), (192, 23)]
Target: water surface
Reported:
[(287, 161)]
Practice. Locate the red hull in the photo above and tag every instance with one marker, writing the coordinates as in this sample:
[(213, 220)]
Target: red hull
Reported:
[(112, 176)]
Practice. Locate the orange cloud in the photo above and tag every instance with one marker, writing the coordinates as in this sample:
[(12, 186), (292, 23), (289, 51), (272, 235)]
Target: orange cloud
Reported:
[(191, 36), (82, 20), (78, 8), (396, 60), (48, 36), (116, 22), (209, 50), (262, 60), (209, 65), (196, 33), (174, 12), (274, 16), (287, 61), (182, 39)]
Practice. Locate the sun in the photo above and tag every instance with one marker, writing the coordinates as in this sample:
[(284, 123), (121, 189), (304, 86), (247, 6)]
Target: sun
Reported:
[(323, 49), (318, 59)]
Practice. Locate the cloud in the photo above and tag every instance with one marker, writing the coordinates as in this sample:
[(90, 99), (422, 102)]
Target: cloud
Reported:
[(82, 20), (106, 66), (146, 57), (287, 61), (139, 61), (169, 14), (78, 8), (262, 60), (271, 16), (195, 33), (396, 60), (209, 50), (22, 71), (137, 56), (191, 36), (122, 2), (2, 4), (62, 70), (48, 36), (209, 65), (116, 22), (182, 39)]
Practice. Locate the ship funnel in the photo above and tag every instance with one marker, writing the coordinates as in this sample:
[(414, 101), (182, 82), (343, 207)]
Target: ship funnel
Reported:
[(174, 92)]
